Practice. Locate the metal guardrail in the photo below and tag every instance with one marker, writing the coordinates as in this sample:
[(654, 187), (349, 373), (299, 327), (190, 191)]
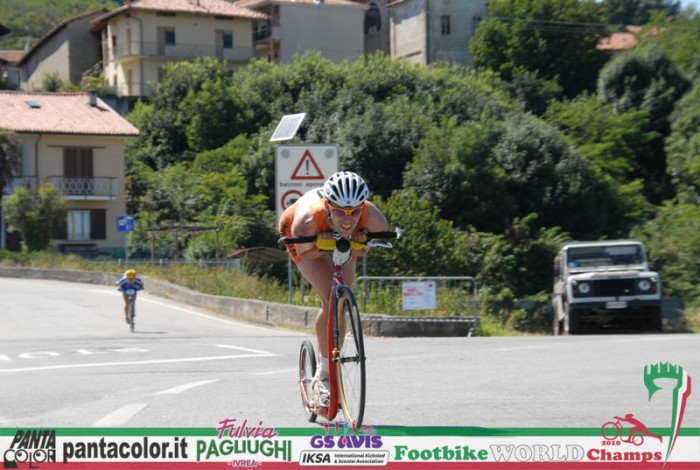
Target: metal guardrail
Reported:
[(456, 298)]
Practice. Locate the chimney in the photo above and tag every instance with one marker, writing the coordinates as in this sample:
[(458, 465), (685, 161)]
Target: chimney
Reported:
[(92, 98)]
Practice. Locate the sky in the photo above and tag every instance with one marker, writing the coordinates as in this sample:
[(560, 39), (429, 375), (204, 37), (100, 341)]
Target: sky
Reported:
[(686, 3)]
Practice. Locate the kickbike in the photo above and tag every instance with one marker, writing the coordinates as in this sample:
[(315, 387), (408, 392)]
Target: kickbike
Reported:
[(346, 358), (131, 307)]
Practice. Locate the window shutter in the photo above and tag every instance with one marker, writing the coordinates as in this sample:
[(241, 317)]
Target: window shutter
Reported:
[(98, 224)]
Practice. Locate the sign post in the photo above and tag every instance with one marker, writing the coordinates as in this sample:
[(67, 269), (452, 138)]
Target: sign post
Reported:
[(298, 169), (125, 223)]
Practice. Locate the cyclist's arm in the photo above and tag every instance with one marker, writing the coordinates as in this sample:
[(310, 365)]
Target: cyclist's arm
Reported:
[(376, 222), (304, 225)]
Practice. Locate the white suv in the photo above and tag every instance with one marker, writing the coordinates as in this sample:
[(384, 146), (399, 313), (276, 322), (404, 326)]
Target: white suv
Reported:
[(602, 282)]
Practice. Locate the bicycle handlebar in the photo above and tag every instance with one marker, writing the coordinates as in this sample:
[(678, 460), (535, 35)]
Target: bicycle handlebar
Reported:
[(398, 234)]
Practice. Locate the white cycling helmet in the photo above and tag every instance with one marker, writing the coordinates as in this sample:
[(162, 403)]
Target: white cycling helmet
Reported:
[(345, 189)]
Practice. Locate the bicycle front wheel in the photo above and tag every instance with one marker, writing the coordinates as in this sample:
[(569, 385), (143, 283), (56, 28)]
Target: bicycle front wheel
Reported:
[(351, 358)]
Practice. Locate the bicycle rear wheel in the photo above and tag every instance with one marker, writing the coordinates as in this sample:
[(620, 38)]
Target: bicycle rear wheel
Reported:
[(131, 315), (307, 369), (351, 358)]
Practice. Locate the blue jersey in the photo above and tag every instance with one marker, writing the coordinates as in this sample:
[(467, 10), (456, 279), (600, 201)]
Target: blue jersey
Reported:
[(124, 283)]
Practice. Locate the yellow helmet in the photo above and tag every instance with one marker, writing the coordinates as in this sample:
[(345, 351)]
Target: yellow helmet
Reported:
[(130, 274)]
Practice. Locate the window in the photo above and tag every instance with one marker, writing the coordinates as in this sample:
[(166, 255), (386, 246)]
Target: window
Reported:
[(445, 25), (78, 225), (227, 40), (86, 224), (169, 36), (77, 162)]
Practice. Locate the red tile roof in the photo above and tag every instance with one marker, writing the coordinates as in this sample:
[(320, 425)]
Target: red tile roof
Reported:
[(202, 7), (620, 41), (256, 3), (12, 56), (60, 113)]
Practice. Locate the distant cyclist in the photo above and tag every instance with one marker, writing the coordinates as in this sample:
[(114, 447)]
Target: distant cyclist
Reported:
[(128, 281), (338, 209)]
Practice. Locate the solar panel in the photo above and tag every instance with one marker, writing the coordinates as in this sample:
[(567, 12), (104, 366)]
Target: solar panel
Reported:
[(287, 127)]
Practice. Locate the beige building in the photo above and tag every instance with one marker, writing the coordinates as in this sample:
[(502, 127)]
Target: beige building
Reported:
[(428, 31), (332, 27), (142, 36), (75, 142), (67, 50)]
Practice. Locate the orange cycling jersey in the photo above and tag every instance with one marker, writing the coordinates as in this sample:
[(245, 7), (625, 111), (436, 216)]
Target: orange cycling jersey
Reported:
[(318, 210)]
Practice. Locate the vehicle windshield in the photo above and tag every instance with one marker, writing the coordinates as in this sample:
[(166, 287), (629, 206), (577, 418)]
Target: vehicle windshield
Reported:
[(605, 256)]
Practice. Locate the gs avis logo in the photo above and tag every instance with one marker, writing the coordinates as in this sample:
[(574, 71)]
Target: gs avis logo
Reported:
[(353, 441), (31, 446)]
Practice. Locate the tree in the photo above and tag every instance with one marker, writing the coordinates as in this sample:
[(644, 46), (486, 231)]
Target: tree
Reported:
[(683, 147), (637, 12), (36, 216), (553, 39), (10, 158), (646, 79)]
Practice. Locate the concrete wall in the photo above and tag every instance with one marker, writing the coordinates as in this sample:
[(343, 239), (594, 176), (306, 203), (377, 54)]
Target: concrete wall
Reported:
[(255, 311)]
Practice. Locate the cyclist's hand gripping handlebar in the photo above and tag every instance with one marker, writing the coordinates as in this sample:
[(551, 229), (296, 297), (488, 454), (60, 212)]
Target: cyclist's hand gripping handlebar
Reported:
[(329, 244)]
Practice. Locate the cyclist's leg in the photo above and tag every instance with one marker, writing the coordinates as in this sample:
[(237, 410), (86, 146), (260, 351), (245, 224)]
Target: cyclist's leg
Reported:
[(126, 306), (319, 273)]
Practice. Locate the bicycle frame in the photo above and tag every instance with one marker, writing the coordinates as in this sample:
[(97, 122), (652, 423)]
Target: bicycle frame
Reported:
[(338, 287)]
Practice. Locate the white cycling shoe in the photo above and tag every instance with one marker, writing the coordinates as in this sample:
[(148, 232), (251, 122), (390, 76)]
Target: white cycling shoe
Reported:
[(320, 394)]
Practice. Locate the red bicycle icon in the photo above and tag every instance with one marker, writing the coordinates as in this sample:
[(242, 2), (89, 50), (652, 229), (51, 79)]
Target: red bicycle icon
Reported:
[(612, 430)]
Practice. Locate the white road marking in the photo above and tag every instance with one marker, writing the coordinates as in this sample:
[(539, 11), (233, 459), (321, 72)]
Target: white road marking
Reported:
[(120, 416), (273, 372), (245, 349), (137, 363), (521, 348), (185, 387)]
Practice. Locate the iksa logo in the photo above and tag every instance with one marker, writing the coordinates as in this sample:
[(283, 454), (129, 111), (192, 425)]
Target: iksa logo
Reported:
[(630, 430), (32, 446)]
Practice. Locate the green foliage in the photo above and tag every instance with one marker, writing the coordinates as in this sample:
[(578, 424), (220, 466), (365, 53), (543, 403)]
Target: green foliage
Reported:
[(553, 39), (673, 238), (639, 11), (10, 158), (29, 20), (683, 146), (51, 82), (36, 216)]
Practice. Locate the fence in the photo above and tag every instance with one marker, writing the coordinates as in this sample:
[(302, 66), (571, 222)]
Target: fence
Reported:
[(428, 299)]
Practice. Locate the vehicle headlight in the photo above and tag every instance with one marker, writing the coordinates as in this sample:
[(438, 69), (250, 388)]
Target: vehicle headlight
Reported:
[(644, 285), (584, 287)]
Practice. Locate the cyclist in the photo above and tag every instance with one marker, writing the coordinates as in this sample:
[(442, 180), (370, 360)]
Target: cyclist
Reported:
[(338, 209), (128, 281)]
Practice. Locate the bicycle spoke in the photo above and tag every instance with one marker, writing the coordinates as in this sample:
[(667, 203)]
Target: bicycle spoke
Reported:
[(351, 364)]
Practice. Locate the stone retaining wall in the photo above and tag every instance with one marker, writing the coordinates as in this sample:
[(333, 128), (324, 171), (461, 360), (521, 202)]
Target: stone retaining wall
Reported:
[(255, 311)]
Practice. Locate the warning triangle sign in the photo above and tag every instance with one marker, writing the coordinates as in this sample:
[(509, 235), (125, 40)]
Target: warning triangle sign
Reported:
[(307, 169)]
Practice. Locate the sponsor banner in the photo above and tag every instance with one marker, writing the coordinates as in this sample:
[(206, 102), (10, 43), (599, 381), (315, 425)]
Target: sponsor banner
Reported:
[(370, 447)]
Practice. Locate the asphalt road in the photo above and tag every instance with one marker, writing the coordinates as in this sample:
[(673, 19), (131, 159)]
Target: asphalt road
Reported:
[(67, 359)]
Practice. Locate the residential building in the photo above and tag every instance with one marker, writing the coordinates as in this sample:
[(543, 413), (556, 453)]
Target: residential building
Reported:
[(75, 142), (376, 26), (142, 36), (67, 50), (620, 41), (10, 73), (428, 31), (291, 27)]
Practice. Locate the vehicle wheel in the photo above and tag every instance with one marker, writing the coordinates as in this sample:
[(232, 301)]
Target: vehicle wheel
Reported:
[(307, 370), (572, 321), (351, 360), (655, 319), (556, 323)]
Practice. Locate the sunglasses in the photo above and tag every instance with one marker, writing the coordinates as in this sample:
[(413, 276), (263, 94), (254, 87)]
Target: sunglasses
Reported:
[(340, 212)]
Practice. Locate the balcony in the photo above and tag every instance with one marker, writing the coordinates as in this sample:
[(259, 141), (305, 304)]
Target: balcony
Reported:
[(179, 51), (28, 182), (93, 189)]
